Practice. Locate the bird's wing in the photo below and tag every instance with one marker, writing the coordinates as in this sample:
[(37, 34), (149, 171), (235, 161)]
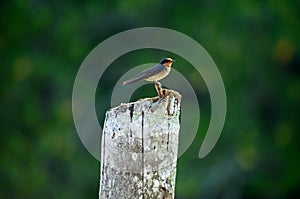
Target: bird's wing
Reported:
[(146, 73)]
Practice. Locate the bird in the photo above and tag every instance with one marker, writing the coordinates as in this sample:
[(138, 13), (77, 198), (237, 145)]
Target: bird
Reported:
[(155, 73)]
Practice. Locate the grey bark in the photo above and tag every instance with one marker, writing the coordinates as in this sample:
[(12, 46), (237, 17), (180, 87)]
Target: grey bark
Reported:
[(139, 149)]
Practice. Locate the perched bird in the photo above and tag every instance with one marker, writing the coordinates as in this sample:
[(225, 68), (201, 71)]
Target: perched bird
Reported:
[(155, 73)]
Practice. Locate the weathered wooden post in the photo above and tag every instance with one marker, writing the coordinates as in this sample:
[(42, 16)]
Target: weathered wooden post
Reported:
[(139, 149)]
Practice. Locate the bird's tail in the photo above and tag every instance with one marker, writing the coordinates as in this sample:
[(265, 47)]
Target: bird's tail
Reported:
[(126, 82), (132, 80)]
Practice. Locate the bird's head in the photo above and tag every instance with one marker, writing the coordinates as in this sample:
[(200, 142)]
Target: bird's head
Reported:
[(167, 62)]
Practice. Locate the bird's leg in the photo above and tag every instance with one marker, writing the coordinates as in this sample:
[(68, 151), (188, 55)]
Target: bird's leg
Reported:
[(158, 89)]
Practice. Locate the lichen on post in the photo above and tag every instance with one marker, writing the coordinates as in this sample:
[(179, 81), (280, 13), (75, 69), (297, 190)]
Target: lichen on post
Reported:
[(139, 148)]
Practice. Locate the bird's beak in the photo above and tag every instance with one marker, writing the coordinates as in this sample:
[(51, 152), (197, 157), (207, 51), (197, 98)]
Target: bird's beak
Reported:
[(173, 61)]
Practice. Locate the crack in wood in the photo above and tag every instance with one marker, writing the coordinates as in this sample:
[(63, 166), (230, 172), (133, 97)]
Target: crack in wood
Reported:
[(168, 141), (103, 160), (131, 109), (175, 104), (165, 193), (143, 158), (169, 105)]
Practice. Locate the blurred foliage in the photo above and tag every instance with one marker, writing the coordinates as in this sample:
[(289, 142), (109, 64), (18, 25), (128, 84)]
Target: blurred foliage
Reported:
[(255, 44)]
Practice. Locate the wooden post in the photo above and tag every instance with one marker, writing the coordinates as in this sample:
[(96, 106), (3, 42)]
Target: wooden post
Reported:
[(139, 149)]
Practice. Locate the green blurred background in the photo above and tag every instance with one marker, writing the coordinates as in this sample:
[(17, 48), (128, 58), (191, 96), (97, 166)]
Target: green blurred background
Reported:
[(255, 45)]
